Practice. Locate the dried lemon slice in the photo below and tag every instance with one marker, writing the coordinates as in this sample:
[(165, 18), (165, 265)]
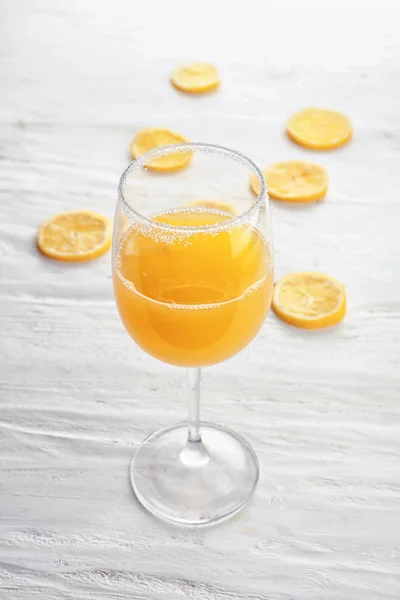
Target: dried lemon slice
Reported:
[(75, 236), (293, 181), (309, 300), (217, 204), (147, 139), (319, 128), (195, 79)]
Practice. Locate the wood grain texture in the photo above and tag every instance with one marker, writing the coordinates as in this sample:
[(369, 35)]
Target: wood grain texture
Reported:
[(322, 409)]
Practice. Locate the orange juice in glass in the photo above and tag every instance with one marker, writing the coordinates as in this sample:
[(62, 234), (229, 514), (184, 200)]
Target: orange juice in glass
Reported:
[(193, 300), (193, 286)]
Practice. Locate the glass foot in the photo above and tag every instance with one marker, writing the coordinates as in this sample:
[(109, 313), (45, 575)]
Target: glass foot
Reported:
[(195, 483)]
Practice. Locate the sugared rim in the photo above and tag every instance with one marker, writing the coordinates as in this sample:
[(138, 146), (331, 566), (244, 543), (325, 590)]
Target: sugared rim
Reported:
[(145, 158)]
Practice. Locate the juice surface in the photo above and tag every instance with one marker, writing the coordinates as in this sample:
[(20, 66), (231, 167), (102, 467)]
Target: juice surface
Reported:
[(193, 299)]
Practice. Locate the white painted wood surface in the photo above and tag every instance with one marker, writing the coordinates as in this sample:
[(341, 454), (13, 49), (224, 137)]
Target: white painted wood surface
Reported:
[(322, 409)]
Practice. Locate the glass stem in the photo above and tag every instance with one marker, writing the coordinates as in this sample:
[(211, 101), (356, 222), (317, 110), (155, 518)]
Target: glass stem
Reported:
[(194, 377), (194, 454)]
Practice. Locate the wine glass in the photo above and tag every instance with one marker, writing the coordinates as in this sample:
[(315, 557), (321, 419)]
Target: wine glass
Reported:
[(193, 279)]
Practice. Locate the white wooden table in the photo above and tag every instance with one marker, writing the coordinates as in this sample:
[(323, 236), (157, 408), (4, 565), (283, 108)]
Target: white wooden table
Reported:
[(322, 409)]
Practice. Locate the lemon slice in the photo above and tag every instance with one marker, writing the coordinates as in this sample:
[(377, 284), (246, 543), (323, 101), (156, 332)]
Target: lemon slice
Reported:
[(75, 236), (293, 181), (217, 204), (319, 129), (147, 139), (309, 300), (242, 239), (195, 79)]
